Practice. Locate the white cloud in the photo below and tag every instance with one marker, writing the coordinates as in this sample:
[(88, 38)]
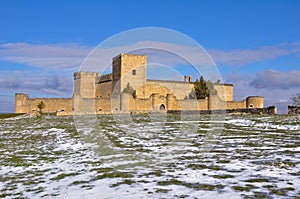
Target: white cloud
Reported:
[(63, 59), (283, 101), (271, 79), (51, 57), (296, 48), (70, 56), (33, 81), (60, 57), (242, 57), (275, 90)]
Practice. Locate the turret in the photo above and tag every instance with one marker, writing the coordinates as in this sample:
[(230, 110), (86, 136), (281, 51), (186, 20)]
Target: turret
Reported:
[(84, 91), (21, 103), (187, 78), (255, 102), (84, 84)]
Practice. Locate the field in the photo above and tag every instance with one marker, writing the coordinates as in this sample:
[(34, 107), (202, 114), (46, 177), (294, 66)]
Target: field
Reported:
[(156, 156)]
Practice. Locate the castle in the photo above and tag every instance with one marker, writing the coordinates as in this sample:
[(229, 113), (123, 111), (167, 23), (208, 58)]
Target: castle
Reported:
[(126, 90)]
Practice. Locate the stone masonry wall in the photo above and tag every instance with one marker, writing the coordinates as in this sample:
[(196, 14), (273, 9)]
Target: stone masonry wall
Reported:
[(225, 91), (236, 104), (180, 89), (193, 104), (268, 110), (104, 90), (128, 68), (140, 104), (147, 90), (85, 84), (24, 104)]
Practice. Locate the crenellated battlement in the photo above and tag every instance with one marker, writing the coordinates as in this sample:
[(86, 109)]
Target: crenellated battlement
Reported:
[(104, 93), (87, 74), (104, 78)]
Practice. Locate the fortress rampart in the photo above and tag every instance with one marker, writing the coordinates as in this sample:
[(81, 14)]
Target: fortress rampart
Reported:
[(97, 93), (78, 75), (225, 91), (104, 78), (24, 104), (179, 89)]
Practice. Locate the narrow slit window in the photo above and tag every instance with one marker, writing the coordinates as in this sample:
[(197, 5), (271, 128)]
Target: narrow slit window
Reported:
[(133, 72)]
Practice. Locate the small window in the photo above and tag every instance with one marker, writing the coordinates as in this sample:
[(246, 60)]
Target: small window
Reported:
[(133, 72)]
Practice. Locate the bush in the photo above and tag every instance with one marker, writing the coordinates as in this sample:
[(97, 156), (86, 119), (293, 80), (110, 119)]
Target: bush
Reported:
[(296, 99), (41, 106), (202, 89)]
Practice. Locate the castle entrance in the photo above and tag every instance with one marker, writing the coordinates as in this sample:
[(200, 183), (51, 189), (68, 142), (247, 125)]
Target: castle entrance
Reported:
[(162, 107)]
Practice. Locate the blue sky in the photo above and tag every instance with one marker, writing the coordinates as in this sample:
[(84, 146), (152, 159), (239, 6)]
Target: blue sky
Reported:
[(256, 44)]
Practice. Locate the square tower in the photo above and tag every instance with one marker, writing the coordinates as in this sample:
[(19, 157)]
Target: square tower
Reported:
[(128, 69), (85, 84)]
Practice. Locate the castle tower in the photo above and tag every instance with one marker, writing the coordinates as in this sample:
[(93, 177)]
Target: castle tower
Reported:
[(84, 91), (85, 84), (255, 102), (128, 68), (21, 105), (187, 78)]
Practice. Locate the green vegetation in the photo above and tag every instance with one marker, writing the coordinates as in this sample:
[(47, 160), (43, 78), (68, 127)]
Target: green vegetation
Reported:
[(247, 188), (63, 175), (29, 143), (41, 106), (260, 195), (115, 174), (8, 115), (197, 186), (162, 190), (202, 89), (258, 180), (282, 191), (223, 176), (126, 181), (80, 182)]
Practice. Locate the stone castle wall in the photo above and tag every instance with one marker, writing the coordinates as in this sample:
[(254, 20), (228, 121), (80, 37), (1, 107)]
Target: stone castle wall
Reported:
[(24, 104), (179, 89), (215, 103), (104, 78), (255, 102), (104, 90), (192, 104), (236, 104), (128, 103), (85, 84), (271, 110), (86, 105), (170, 102), (225, 91), (94, 92), (148, 89), (140, 104)]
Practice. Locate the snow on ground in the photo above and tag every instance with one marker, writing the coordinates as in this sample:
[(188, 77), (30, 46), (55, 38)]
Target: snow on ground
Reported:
[(55, 157)]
